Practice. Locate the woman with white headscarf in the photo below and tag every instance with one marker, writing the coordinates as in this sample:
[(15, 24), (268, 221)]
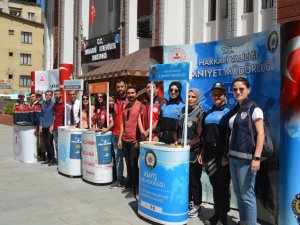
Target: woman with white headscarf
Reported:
[(194, 130)]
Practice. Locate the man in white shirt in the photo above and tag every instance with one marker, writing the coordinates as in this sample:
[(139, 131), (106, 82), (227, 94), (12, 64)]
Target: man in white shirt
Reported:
[(73, 110)]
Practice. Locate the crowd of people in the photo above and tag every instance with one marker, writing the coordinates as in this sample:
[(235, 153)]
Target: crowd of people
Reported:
[(219, 139)]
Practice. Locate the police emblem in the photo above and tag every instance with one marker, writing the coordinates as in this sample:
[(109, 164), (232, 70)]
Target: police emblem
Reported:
[(150, 159), (190, 123), (296, 207), (244, 115)]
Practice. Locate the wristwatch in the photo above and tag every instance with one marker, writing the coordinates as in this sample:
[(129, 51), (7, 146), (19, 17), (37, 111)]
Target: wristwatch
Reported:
[(256, 158)]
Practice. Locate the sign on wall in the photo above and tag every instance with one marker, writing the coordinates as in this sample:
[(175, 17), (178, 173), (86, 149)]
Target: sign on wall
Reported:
[(101, 48)]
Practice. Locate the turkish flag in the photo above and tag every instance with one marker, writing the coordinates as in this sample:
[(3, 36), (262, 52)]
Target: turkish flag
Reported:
[(290, 90), (93, 12)]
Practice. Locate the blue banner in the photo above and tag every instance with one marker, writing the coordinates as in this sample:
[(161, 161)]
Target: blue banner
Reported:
[(256, 57), (103, 149), (75, 146), (176, 71)]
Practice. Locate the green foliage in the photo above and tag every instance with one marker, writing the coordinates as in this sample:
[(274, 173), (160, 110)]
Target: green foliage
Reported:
[(9, 108)]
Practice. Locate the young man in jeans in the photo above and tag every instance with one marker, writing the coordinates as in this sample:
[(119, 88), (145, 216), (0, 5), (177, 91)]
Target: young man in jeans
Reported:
[(128, 139), (121, 100)]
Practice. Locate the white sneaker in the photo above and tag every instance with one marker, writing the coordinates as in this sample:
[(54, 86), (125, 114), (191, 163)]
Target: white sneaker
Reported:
[(194, 212)]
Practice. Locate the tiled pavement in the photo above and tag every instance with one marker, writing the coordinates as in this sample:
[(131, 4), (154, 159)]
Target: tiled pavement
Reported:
[(37, 194)]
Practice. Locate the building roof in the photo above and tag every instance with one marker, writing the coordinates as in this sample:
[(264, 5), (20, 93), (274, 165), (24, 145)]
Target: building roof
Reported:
[(21, 20), (134, 64)]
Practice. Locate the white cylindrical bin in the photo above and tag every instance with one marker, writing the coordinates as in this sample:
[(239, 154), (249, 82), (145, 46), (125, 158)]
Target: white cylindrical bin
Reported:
[(69, 151), (96, 157), (24, 144)]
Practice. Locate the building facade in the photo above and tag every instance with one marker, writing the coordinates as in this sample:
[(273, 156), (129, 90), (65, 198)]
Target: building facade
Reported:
[(21, 52)]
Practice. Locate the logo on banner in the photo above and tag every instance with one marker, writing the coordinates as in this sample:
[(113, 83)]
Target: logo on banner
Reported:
[(42, 80), (177, 55), (296, 207), (150, 159), (273, 42)]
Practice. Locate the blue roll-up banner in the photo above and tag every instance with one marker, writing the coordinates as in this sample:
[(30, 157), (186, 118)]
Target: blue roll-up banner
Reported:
[(289, 180), (75, 146), (104, 148), (256, 57), (163, 185)]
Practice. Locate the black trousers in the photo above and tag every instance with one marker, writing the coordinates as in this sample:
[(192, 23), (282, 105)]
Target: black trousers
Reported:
[(48, 141), (195, 185), (219, 177), (131, 158)]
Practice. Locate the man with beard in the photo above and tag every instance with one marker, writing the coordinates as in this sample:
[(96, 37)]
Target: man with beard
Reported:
[(128, 139), (121, 100), (59, 113), (46, 121), (144, 117)]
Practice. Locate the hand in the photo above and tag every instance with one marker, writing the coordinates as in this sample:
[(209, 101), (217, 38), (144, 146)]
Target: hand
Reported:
[(136, 145), (51, 129), (225, 162), (200, 159), (35, 132), (40, 129), (120, 144), (255, 166), (104, 130), (155, 139)]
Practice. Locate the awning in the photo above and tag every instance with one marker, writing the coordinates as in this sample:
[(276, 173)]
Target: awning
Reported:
[(134, 64)]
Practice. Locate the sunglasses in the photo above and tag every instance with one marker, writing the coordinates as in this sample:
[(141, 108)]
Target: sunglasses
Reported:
[(85, 98), (99, 96), (173, 90), (240, 89)]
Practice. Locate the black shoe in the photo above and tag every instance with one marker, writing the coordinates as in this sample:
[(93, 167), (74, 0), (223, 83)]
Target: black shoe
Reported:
[(45, 162), (114, 184), (52, 163), (212, 220), (129, 195)]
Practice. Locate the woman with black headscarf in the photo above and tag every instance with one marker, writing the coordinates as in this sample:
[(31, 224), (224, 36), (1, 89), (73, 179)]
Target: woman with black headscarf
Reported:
[(166, 128)]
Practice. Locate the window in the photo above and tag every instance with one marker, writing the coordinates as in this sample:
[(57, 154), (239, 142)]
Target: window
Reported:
[(11, 32), (15, 12), (10, 76), (212, 10), (26, 37), (25, 81), (266, 4), (144, 29), (25, 59), (11, 54), (31, 16), (248, 6)]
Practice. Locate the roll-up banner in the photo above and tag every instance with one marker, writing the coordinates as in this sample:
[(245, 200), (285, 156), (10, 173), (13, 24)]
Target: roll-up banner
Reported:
[(289, 181), (256, 57)]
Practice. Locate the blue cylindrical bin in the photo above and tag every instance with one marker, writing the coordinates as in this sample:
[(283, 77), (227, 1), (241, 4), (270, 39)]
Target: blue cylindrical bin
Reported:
[(96, 157), (163, 183)]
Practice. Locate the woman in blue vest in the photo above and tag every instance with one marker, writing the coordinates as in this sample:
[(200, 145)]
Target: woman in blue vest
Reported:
[(244, 158), (166, 128), (194, 130), (215, 137)]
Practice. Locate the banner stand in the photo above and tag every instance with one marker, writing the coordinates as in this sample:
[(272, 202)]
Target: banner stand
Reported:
[(96, 147), (164, 169), (69, 138)]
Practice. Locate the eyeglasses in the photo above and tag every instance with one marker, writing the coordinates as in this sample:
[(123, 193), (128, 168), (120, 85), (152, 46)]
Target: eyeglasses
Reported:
[(128, 114), (240, 89), (99, 96), (173, 90), (85, 98)]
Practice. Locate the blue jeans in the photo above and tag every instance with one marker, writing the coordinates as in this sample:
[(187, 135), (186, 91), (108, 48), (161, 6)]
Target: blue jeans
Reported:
[(119, 159), (243, 181)]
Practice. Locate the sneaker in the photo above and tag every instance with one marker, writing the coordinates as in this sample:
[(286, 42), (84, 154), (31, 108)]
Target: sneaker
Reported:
[(191, 205), (193, 212)]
